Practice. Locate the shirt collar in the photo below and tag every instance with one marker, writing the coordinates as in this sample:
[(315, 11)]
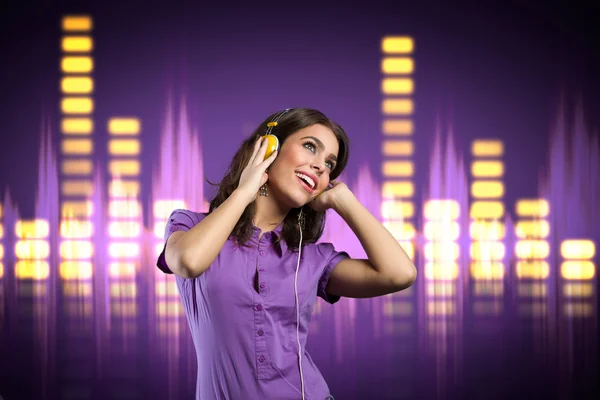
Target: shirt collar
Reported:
[(275, 237)]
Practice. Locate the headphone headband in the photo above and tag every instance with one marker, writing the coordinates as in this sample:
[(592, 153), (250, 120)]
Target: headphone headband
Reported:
[(274, 122)]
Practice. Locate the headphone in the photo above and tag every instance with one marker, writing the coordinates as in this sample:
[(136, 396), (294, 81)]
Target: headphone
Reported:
[(272, 145)]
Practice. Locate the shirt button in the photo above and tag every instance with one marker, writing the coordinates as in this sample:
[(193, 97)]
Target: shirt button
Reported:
[(262, 253), (261, 359), (263, 285), (267, 236), (259, 307), (261, 270), (260, 332)]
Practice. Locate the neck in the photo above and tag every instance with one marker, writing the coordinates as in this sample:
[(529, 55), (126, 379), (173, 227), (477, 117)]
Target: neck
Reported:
[(269, 213)]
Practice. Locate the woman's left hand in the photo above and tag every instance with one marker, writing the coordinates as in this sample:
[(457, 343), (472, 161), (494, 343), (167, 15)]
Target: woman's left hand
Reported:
[(328, 198)]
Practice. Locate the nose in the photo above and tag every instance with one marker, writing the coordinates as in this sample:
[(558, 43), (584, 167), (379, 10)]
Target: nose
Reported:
[(318, 166)]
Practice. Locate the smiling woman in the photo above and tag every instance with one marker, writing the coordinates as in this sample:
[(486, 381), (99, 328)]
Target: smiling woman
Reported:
[(250, 270)]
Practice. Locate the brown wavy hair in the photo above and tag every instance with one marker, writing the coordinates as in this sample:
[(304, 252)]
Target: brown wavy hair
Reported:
[(289, 123)]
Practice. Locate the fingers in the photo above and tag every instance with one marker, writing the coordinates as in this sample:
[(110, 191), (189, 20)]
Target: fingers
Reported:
[(265, 164), (261, 152), (257, 144)]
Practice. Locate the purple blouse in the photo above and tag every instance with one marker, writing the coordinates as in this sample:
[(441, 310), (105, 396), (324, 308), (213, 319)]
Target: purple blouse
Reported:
[(245, 338)]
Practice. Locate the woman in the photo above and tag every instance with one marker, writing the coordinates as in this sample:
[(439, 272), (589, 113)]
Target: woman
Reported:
[(249, 270)]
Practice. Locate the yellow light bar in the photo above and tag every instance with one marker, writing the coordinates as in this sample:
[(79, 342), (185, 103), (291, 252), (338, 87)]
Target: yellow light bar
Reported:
[(77, 65), (487, 169), (1, 268), (123, 309), (74, 229), (122, 147), (77, 126), (532, 249), (487, 148), (32, 269), (78, 309), (124, 126), (159, 230), (77, 146), (75, 270), (487, 209), (121, 269), (532, 208), (486, 230), (172, 308), (533, 289), (532, 229), (77, 85), (77, 44), (397, 44), (123, 289), (532, 269), (77, 167), (33, 229), (397, 309), (402, 127), (124, 208), (486, 251), (1, 251), (391, 209), (397, 148), (77, 105), (441, 270), (441, 251), (578, 309), (124, 229), (487, 189), (32, 249), (163, 208), (488, 288), (120, 188), (397, 65), (397, 106), (487, 270), (441, 289), (77, 23), (123, 250), (400, 230), (441, 307), (441, 230), (577, 270), (76, 250), (398, 189), (397, 168), (578, 289), (124, 168), (399, 86), (409, 248), (77, 188), (167, 289), (77, 289), (579, 249), (442, 209)]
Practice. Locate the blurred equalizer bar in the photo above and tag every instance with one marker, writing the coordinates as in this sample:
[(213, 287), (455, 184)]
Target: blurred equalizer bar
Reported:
[(578, 271)]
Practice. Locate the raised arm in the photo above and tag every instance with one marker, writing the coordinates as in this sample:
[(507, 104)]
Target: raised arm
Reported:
[(190, 253)]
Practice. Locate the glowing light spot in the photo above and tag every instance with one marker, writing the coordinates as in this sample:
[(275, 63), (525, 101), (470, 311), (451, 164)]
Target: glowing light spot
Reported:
[(444, 270), (397, 189), (488, 288), (487, 270), (577, 270), (487, 209), (441, 210), (402, 127), (120, 188), (399, 86), (77, 188), (165, 309), (579, 249), (77, 105), (487, 230), (532, 269), (578, 289), (77, 23), (397, 106), (397, 148), (77, 85), (391, 209), (578, 309), (124, 229), (397, 169), (77, 288), (77, 126), (75, 229), (487, 148), (124, 208), (441, 307), (33, 229), (77, 167), (123, 289), (399, 308), (409, 249), (397, 65), (487, 189), (167, 289), (121, 269), (532, 229), (487, 251), (534, 289), (124, 168), (400, 230), (397, 44), (441, 289), (32, 249), (124, 147), (487, 169), (77, 44), (124, 250), (441, 251), (32, 269), (441, 230), (532, 249), (123, 309), (75, 270), (124, 126), (77, 146), (76, 250), (532, 208)]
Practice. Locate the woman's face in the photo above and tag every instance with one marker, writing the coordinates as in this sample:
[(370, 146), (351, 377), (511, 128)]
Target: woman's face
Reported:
[(301, 170)]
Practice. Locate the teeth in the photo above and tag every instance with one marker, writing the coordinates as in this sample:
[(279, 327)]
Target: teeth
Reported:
[(309, 181)]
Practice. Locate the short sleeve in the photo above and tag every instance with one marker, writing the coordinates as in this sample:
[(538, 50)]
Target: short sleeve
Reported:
[(328, 253), (179, 220)]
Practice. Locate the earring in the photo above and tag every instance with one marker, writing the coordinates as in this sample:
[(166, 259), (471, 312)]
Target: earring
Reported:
[(263, 191)]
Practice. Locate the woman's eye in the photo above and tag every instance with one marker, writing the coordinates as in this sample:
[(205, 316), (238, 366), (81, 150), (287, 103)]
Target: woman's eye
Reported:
[(310, 146), (330, 165)]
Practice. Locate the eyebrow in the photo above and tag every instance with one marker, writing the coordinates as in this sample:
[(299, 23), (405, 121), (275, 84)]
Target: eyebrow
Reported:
[(321, 146)]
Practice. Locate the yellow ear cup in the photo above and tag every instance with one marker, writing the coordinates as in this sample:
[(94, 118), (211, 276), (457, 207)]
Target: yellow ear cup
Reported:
[(272, 144)]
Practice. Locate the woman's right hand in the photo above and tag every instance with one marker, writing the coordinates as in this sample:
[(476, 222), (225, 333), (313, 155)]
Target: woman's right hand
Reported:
[(254, 175)]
